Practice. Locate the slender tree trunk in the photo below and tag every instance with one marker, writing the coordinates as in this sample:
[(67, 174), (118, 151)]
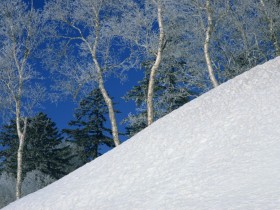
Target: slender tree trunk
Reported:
[(154, 69), (104, 93), (109, 104), (21, 132), (19, 167), (271, 29), (206, 45)]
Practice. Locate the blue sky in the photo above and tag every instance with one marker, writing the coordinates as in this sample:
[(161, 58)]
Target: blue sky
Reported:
[(62, 112)]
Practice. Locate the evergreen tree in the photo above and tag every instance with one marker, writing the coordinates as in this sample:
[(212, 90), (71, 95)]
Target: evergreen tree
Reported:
[(171, 92), (42, 148), (9, 142), (89, 130)]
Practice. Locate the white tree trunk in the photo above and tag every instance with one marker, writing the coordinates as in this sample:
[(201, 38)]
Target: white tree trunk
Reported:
[(102, 88), (18, 38), (21, 132), (107, 99), (109, 104), (19, 167), (154, 69), (206, 45)]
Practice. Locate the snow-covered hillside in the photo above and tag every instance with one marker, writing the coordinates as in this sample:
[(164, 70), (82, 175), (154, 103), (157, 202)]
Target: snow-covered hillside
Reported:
[(220, 151)]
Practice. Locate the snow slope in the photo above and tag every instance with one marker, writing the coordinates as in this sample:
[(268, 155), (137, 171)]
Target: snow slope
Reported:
[(220, 151)]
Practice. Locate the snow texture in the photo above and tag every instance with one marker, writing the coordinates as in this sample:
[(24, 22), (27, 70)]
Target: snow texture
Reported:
[(220, 151)]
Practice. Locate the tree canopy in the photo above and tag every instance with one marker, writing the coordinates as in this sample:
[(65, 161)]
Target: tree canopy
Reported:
[(42, 148)]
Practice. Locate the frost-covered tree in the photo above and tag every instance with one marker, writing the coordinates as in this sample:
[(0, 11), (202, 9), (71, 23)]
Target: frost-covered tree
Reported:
[(20, 36), (156, 64), (244, 37), (208, 16), (91, 47), (7, 189), (33, 181), (270, 10), (166, 32), (226, 38), (143, 26), (170, 93)]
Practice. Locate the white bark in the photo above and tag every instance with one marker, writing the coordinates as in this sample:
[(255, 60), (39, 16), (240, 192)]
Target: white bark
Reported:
[(21, 131), (92, 39), (21, 135), (102, 88), (209, 30), (154, 69), (21, 36), (109, 104), (17, 95)]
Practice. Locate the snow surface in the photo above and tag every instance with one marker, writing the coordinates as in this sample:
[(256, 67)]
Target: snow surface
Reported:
[(220, 151)]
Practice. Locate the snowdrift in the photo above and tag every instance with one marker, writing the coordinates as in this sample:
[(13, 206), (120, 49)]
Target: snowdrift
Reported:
[(220, 151)]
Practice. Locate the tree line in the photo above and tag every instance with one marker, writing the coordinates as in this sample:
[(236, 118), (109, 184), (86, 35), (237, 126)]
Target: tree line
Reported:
[(50, 154), (184, 47)]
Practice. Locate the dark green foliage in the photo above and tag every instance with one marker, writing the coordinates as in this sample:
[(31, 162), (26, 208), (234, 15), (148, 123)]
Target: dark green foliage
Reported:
[(42, 149), (169, 94), (9, 142), (89, 131)]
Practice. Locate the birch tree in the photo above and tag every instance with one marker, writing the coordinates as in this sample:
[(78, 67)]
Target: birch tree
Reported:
[(19, 37), (209, 31), (143, 27), (90, 47), (244, 37), (240, 47), (210, 13), (154, 69), (160, 32)]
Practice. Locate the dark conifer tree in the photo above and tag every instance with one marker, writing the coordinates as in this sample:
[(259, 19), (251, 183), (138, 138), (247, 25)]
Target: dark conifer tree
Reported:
[(89, 131), (9, 144), (170, 93), (42, 148)]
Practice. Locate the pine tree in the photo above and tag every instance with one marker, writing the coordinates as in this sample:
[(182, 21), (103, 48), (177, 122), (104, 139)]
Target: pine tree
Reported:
[(42, 148), (9, 142), (89, 131), (170, 93)]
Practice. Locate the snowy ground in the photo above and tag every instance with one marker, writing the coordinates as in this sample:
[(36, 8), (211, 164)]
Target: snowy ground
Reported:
[(220, 151)]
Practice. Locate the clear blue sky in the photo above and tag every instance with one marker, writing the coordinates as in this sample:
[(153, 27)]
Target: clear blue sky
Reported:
[(62, 112)]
